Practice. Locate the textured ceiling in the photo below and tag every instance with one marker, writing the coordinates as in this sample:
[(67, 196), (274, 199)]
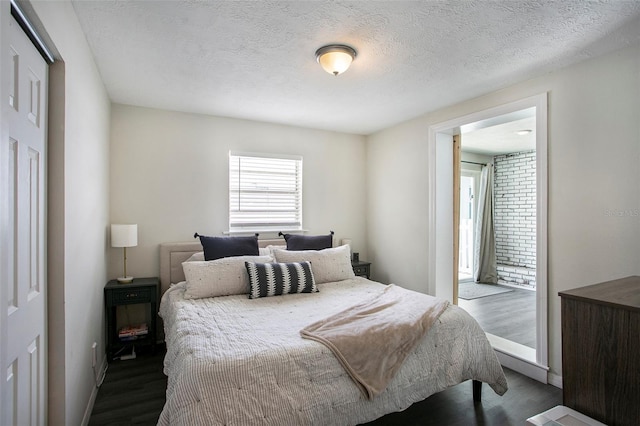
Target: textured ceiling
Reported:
[(255, 59)]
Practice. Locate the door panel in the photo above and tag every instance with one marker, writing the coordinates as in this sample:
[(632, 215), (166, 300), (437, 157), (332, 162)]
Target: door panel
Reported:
[(23, 243), (456, 214)]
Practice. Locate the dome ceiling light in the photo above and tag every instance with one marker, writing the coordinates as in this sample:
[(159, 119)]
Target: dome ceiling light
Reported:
[(335, 58)]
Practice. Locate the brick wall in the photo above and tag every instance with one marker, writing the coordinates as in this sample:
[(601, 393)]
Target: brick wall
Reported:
[(515, 217)]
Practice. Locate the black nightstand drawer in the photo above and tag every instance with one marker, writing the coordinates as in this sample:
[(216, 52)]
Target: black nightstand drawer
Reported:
[(360, 270), (129, 296)]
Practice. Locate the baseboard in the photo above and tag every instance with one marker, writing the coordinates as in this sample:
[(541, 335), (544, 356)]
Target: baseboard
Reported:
[(555, 380), (518, 357), (532, 370), (94, 394)]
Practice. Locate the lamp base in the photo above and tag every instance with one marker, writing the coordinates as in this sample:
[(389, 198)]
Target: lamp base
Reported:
[(125, 280)]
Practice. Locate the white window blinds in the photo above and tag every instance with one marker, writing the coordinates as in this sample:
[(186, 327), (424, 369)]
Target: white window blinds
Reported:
[(265, 192)]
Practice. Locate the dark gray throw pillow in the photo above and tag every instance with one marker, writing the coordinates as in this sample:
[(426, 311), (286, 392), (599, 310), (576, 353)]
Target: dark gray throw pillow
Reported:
[(308, 242), (219, 247)]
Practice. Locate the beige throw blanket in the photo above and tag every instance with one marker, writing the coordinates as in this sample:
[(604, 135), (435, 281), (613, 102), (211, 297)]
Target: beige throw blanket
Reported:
[(372, 339)]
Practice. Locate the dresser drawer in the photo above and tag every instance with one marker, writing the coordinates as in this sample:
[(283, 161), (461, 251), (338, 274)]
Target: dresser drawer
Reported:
[(130, 296)]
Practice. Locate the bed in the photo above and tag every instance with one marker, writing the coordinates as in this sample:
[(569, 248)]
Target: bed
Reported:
[(232, 360)]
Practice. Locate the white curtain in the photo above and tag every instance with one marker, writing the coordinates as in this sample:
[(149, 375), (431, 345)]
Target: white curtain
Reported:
[(485, 240)]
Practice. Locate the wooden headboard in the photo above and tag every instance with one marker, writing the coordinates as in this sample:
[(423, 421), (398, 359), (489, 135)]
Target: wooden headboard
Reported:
[(173, 254)]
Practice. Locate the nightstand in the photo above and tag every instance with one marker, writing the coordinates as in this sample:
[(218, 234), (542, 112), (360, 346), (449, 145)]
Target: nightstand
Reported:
[(361, 268), (140, 291)]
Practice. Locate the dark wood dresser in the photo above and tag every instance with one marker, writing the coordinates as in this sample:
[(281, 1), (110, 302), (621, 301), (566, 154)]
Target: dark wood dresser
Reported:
[(601, 351)]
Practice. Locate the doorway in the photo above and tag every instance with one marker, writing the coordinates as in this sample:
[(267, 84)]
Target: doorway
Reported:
[(529, 361), (500, 294)]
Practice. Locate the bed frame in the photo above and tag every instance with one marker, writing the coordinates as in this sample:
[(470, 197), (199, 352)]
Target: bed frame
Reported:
[(173, 254)]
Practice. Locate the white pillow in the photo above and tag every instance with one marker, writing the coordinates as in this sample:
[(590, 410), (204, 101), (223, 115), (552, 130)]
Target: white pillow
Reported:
[(264, 251), (196, 257), (220, 277), (272, 248), (332, 264)]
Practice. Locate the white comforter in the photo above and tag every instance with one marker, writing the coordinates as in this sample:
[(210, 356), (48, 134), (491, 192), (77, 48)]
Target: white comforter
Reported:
[(238, 361)]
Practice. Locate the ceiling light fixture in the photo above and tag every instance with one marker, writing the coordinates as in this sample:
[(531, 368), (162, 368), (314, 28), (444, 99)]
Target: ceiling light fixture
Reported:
[(523, 132), (335, 58)]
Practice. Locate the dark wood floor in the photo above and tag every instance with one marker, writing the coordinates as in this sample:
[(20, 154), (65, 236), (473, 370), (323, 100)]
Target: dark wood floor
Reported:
[(133, 393), (509, 315)]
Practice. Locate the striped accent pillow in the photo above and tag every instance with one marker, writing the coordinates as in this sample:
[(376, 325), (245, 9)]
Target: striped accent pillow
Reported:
[(274, 279)]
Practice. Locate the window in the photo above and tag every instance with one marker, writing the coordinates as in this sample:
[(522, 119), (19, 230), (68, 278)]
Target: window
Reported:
[(265, 192)]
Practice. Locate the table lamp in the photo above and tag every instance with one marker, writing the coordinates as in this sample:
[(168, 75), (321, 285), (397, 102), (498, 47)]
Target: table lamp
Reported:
[(124, 236)]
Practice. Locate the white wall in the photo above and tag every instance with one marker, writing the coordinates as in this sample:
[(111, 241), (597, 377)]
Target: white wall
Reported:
[(78, 217), (396, 233), (594, 150), (169, 174), (476, 158)]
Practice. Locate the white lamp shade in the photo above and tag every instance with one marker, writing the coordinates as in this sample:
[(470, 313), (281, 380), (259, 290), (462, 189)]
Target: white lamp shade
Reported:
[(124, 235)]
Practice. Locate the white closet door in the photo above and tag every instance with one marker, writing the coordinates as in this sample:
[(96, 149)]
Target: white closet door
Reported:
[(24, 375)]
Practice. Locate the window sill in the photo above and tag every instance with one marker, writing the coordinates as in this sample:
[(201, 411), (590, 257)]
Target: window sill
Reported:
[(270, 232)]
